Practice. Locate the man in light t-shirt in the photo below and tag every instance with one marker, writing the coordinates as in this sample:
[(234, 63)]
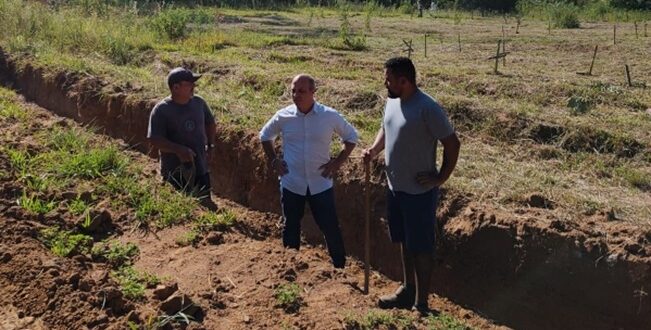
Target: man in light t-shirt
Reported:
[(412, 126), (305, 168)]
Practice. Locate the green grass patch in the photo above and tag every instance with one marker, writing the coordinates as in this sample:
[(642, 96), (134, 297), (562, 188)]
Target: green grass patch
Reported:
[(445, 321), (190, 237), (77, 206), (133, 283), (375, 319), (636, 178), (90, 164), (154, 205), (221, 220), (64, 243), (116, 253), (288, 297), (34, 204)]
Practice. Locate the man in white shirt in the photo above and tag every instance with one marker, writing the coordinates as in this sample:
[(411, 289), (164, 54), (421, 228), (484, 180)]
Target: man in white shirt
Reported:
[(305, 167)]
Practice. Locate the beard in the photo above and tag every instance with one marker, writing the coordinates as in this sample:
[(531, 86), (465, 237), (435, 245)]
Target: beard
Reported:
[(392, 95)]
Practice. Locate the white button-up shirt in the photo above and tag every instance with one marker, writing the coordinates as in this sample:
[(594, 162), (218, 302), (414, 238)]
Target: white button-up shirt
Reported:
[(306, 144)]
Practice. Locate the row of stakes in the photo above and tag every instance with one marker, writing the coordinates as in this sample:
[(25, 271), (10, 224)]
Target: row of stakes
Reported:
[(502, 53)]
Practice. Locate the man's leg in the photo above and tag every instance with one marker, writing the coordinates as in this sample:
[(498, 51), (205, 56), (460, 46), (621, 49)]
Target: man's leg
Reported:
[(423, 264), (404, 296), (203, 190), (419, 241), (293, 206), (325, 215)]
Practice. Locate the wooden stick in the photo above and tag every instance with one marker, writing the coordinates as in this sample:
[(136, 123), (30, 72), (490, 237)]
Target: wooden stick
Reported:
[(504, 52), (459, 41), (425, 44), (497, 55), (628, 75), (635, 23), (645, 24), (615, 34), (594, 56), (367, 225)]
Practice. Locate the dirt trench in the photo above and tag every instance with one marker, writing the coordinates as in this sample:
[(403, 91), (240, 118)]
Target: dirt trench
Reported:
[(525, 269)]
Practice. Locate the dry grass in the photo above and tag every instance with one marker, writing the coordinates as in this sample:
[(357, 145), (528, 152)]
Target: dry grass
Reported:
[(250, 56)]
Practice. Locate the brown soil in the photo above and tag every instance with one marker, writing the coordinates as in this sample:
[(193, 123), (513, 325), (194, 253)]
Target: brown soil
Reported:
[(523, 267)]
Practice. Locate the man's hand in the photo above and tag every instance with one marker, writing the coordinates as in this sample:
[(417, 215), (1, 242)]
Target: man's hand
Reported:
[(369, 154), (429, 179), (185, 154), (279, 166), (330, 168)]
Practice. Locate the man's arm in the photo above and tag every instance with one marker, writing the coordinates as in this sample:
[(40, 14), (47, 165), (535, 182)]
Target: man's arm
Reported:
[(211, 131), (376, 148), (184, 153), (330, 168), (278, 165), (451, 147)]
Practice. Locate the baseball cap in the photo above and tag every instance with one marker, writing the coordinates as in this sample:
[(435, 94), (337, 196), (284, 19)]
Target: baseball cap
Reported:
[(179, 74)]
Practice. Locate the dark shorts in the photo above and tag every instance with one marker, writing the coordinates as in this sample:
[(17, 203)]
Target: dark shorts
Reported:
[(412, 219)]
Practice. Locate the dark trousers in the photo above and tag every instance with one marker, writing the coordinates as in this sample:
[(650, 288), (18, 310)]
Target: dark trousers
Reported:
[(325, 215)]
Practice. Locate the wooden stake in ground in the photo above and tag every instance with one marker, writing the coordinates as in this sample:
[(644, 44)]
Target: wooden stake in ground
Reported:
[(367, 225), (594, 56), (497, 56), (504, 52), (409, 49), (635, 23), (459, 41), (425, 44), (615, 34), (645, 24), (628, 75)]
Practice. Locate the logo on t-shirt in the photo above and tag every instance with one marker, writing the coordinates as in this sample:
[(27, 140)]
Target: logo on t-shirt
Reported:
[(189, 125)]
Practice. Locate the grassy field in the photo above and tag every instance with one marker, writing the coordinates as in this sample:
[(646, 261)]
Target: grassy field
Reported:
[(535, 128)]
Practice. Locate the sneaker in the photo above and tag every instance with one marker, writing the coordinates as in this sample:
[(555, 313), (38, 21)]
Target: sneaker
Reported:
[(403, 298)]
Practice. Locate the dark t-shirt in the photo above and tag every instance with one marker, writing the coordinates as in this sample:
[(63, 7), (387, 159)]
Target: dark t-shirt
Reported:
[(184, 125)]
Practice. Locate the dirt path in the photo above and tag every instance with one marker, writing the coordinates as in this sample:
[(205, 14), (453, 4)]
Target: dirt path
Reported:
[(232, 276)]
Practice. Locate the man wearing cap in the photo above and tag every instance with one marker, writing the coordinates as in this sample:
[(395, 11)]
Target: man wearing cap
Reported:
[(183, 129), (305, 167)]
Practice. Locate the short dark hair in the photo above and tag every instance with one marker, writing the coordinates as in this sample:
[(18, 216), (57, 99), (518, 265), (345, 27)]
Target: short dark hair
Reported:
[(402, 67)]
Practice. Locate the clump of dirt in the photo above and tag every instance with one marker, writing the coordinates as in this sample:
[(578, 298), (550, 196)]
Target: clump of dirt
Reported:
[(547, 133), (363, 101), (595, 140)]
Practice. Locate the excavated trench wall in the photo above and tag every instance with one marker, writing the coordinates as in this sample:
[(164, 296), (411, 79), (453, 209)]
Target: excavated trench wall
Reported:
[(520, 272)]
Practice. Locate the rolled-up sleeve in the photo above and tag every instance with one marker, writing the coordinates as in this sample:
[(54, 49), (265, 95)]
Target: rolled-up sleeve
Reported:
[(345, 130), (271, 129)]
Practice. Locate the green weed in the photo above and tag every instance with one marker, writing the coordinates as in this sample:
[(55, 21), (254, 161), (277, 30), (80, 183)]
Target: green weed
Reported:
[(116, 253), (375, 319), (579, 105), (64, 243), (133, 283), (635, 178), (188, 238), (77, 207), (92, 164), (288, 297), (19, 161), (220, 221), (10, 110), (445, 322), (36, 205)]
